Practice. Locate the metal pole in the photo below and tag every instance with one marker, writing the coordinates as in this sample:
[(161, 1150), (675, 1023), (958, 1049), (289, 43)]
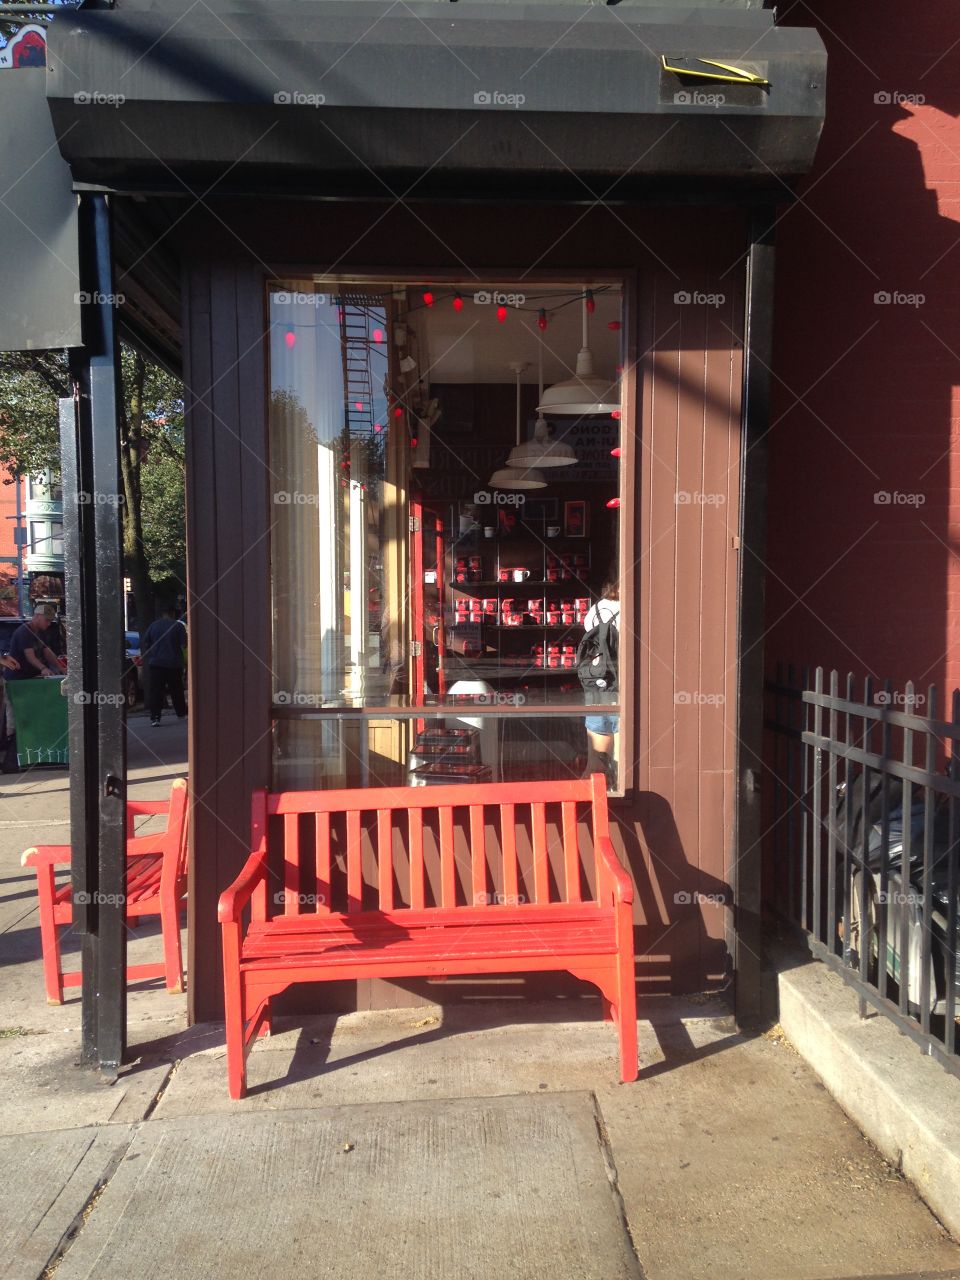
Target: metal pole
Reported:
[(90, 446), (748, 865)]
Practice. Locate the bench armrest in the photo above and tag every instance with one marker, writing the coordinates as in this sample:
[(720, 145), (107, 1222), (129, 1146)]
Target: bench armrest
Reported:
[(234, 899), (621, 882), (45, 855)]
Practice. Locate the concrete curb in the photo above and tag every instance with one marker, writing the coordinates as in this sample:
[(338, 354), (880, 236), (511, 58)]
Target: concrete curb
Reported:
[(904, 1102)]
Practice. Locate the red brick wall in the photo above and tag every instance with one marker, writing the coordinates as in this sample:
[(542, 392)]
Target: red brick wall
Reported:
[(8, 572), (866, 396)]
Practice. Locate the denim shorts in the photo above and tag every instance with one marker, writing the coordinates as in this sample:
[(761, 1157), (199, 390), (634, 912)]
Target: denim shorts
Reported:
[(604, 724)]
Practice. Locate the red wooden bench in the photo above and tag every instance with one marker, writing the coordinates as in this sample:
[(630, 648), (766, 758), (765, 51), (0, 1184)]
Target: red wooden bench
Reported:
[(478, 921), (156, 885)]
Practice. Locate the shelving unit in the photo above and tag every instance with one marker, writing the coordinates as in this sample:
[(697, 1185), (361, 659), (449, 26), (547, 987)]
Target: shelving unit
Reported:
[(479, 642)]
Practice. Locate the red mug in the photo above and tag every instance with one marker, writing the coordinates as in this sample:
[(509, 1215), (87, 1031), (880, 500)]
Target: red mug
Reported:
[(553, 575), (504, 575), (552, 617), (490, 604)]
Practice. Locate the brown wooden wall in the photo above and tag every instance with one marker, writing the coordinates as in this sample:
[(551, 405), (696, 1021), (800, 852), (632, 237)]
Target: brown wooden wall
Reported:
[(675, 830)]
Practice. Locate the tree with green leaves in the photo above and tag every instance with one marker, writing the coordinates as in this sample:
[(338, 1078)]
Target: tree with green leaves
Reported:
[(151, 456)]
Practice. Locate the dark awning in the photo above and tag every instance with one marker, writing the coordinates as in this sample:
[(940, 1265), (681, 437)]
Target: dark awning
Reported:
[(335, 97)]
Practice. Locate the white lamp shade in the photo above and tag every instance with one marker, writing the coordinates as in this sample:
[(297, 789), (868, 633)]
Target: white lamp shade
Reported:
[(582, 394), (541, 451), (515, 478)]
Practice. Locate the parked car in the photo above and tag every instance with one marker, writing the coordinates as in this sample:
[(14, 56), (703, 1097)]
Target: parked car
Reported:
[(904, 905)]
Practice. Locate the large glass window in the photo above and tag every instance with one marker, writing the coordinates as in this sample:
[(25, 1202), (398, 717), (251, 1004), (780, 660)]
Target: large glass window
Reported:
[(446, 488)]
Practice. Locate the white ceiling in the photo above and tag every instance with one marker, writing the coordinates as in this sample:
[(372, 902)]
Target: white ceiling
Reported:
[(472, 346)]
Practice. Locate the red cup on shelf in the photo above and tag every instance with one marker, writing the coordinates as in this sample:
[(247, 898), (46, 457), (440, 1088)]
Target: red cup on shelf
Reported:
[(504, 575), (568, 617), (553, 574), (552, 617), (489, 604), (553, 656), (581, 604)]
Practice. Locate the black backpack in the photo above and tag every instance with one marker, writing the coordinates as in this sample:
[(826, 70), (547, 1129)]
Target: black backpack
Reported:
[(597, 657)]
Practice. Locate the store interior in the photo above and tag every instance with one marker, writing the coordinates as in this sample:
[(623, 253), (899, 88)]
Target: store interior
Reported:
[(476, 462)]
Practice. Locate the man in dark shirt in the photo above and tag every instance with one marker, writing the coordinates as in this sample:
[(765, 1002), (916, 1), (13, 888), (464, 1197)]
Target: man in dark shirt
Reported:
[(31, 651), (161, 648)]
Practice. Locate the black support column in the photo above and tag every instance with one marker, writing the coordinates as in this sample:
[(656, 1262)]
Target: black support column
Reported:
[(747, 875), (90, 441)]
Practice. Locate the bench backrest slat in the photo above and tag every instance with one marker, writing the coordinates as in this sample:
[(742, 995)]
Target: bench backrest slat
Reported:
[(385, 859), (571, 850), (541, 881), (417, 895), (354, 871), (322, 860), (478, 856), (291, 864), (523, 845), (508, 845), (448, 866)]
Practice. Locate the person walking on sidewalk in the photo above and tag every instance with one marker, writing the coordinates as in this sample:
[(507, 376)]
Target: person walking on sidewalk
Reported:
[(161, 648)]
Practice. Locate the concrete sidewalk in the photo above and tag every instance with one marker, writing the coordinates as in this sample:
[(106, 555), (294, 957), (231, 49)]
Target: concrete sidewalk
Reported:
[(481, 1141)]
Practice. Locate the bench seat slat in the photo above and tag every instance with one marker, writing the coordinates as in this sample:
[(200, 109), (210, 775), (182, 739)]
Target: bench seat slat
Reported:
[(461, 944)]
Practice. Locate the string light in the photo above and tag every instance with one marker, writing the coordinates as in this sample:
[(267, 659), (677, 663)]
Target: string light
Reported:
[(613, 503), (427, 298), (398, 412), (542, 319), (615, 453), (614, 325), (615, 415), (290, 338), (591, 305), (378, 335), (457, 302), (501, 314)]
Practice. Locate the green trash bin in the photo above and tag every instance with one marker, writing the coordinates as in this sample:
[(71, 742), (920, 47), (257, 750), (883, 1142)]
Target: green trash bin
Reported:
[(40, 720)]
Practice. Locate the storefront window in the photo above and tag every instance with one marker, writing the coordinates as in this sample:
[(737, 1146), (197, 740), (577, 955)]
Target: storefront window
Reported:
[(446, 490)]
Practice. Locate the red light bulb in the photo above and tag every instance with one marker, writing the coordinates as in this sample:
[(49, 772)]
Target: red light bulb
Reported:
[(378, 335), (457, 302), (615, 414), (614, 325), (398, 412), (358, 405), (290, 338), (591, 305), (377, 427), (614, 503), (541, 319), (501, 314), (413, 442), (615, 453), (427, 298)]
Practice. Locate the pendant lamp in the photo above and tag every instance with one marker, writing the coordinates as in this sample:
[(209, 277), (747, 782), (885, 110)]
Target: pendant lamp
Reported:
[(510, 477), (543, 450), (584, 393)]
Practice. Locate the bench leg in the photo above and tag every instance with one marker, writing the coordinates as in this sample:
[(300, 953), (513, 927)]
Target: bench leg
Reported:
[(266, 1026), (172, 953), (233, 1011), (626, 1017), (49, 937)]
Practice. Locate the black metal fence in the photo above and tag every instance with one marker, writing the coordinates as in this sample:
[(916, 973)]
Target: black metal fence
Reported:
[(862, 839)]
